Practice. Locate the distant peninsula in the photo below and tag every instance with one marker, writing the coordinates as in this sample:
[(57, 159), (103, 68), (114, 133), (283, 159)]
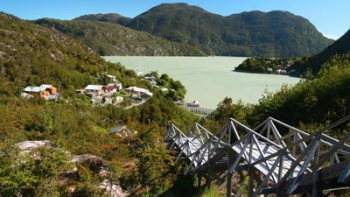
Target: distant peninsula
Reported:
[(280, 66)]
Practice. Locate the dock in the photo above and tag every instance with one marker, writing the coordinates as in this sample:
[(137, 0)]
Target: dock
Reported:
[(200, 110)]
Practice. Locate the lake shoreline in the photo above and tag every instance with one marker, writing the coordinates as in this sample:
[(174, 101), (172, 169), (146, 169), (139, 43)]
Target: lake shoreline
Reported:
[(265, 73), (208, 79)]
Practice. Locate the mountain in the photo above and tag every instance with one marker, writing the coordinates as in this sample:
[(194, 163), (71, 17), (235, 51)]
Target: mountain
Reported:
[(113, 18), (255, 33), (114, 39), (315, 62), (183, 30)]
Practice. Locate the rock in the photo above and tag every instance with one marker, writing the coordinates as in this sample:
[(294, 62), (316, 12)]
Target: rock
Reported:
[(99, 166)]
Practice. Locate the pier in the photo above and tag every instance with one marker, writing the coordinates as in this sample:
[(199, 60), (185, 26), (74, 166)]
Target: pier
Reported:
[(200, 110)]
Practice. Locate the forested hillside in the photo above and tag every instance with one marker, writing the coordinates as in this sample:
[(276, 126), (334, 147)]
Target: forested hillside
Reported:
[(112, 18), (114, 39), (313, 63), (31, 55), (272, 34)]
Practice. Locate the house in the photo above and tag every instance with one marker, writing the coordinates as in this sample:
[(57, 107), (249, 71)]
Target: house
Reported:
[(146, 95), (44, 91), (101, 100), (136, 92), (94, 90), (117, 129), (121, 131), (164, 89), (111, 88), (281, 71), (269, 70), (112, 78), (152, 80)]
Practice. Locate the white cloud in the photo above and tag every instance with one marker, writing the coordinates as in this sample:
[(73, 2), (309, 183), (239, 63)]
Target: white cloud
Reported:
[(334, 37)]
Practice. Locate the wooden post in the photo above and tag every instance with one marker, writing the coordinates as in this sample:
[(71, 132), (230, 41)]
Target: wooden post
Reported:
[(199, 181), (229, 174), (250, 168), (230, 162), (316, 192), (209, 169)]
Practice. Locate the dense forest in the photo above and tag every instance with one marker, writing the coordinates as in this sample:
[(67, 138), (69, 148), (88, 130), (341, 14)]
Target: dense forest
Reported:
[(31, 55), (268, 65), (113, 39), (305, 66), (312, 64), (255, 33)]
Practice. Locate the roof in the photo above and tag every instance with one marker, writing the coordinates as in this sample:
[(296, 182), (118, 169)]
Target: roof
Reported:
[(44, 86), (117, 129), (136, 89), (32, 89), (148, 93), (111, 76), (109, 88), (93, 87), (150, 78), (37, 88), (114, 84)]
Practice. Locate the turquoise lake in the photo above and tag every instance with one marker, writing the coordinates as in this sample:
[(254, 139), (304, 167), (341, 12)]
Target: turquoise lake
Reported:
[(209, 79)]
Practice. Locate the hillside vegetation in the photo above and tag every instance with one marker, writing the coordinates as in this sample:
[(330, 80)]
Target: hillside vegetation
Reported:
[(313, 64), (32, 55), (113, 39), (255, 33)]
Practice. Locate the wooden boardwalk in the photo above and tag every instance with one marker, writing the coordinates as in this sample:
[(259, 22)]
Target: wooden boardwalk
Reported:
[(284, 168)]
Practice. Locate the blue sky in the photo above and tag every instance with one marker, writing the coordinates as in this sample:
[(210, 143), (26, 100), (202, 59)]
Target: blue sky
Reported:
[(331, 18)]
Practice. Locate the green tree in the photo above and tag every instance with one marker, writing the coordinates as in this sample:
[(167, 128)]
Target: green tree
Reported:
[(32, 174)]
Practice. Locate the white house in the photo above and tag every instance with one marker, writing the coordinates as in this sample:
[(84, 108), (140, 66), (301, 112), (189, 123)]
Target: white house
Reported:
[(94, 90), (45, 91), (112, 77), (152, 80), (146, 95), (136, 92)]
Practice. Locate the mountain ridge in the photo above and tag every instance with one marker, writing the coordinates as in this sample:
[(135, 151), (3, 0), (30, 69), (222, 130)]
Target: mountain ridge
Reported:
[(315, 62), (253, 33), (114, 39)]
